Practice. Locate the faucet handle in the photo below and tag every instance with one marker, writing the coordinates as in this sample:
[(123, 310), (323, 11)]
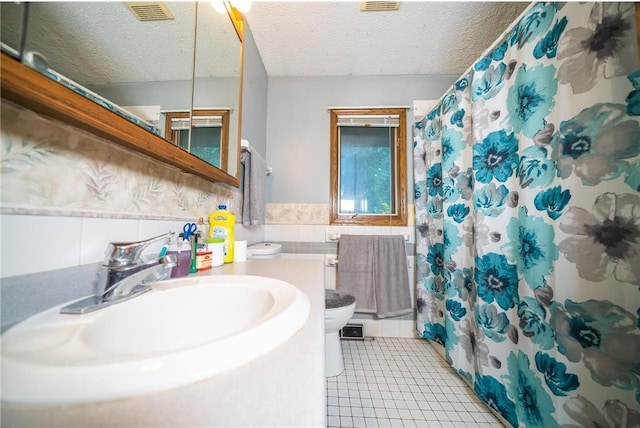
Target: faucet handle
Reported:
[(120, 254)]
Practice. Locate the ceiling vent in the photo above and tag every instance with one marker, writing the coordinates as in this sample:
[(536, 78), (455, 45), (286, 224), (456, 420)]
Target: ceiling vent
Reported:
[(379, 6), (150, 11)]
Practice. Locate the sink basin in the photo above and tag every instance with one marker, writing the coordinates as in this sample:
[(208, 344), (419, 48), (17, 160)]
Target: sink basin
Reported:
[(182, 331)]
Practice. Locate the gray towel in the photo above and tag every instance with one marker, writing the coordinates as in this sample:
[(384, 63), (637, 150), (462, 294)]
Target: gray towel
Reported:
[(254, 203), (355, 274), (373, 268)]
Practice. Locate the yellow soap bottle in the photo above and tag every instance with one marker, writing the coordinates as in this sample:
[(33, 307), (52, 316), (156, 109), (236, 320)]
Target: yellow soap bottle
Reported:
[(221, 225)]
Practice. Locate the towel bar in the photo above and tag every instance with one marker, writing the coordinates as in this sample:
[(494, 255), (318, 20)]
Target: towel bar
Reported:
[(333, 236), (244, 144)]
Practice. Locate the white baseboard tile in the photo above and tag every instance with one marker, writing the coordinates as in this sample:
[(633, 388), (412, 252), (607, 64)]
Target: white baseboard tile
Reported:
[(387, 328), (390, 328)]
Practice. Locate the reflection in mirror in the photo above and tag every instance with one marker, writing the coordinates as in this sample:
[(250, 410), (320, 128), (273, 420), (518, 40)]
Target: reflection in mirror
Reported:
[(209, 134), (105, 52), (216, 86), (11, 25)]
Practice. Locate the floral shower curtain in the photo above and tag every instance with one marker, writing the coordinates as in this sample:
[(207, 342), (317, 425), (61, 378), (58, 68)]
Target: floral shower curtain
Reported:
[(527, 180)]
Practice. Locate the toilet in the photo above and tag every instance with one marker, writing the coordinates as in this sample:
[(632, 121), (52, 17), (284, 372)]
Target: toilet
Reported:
[(264, 250), (339, 308)]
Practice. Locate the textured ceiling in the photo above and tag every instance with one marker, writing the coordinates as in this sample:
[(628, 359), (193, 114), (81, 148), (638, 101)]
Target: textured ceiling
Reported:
[(97, 43), (102, 42), (326, 38)]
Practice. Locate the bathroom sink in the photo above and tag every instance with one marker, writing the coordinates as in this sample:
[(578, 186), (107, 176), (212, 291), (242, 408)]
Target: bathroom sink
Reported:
[(182, 331)]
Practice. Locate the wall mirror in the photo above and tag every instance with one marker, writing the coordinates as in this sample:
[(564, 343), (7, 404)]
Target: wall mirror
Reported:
[(150, 64), (12, 16)]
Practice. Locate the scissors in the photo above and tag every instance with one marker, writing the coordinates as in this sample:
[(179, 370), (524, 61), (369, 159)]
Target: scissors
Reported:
[(189, 229)]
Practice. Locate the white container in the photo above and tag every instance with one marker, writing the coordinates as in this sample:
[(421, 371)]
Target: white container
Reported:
[(240, 251), (217, 253)]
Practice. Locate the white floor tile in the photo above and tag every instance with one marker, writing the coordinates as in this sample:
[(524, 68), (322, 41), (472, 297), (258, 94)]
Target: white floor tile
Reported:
[(401, 382)]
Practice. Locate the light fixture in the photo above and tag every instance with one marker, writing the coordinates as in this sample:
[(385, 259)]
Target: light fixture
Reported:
[(218, 5), (242, 6)]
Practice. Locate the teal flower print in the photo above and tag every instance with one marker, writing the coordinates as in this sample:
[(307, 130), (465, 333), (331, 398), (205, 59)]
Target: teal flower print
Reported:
[(432, 130), (461, 84), (457, 118), (533, 323), (605, 243), (531, 246), (434, 180), (451, 239), (464, 184), (434, 332), (496, 157), (452, 146), (450, 191), (532, 25), (594, 144), (615, 413), (555, 375), (493, 324), (450, 332), (449, 102), (434, 208), (605, 48), (632, 177), (553, 201), (455, 309), (435, 258), (435, 112), (633, 99), (458, 212), (493, 393), (633, 103), (533, 405), (535, 169), (488, 84), (433, 285), (601, 335), (497, 280), (490, 200), (548, 45), (531, 98)]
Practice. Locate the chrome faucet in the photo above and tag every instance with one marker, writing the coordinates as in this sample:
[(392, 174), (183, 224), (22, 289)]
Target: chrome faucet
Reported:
[(122, 275)]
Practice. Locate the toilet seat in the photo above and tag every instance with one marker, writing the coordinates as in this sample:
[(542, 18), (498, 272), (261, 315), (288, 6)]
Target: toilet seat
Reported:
[(337, 299)]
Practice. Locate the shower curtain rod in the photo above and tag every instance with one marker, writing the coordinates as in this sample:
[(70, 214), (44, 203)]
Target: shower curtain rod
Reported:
[(486, 51)]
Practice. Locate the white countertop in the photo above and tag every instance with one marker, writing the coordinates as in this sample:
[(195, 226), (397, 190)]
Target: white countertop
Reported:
[(286, 387)]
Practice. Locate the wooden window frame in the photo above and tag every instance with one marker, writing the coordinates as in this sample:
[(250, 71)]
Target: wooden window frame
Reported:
[(400, 217), (171, 136)]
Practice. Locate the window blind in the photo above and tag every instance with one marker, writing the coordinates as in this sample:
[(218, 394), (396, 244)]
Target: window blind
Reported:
[(181, 124), (385, 121)]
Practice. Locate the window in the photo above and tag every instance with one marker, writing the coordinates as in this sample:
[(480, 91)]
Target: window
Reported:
[(209, 134), (368, 167)]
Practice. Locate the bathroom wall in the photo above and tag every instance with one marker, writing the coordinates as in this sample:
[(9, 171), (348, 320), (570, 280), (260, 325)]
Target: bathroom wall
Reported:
[(298, 143), (298, 125)]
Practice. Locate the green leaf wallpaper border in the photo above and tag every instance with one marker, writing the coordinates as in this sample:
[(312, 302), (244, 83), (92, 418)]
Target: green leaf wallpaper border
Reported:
[(49, 168)]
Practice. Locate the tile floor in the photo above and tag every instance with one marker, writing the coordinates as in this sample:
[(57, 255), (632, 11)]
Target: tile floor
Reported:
[(401, 382)]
